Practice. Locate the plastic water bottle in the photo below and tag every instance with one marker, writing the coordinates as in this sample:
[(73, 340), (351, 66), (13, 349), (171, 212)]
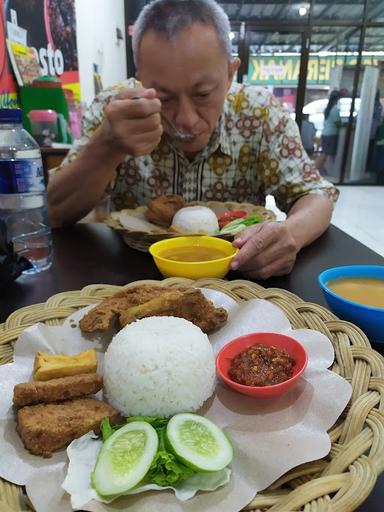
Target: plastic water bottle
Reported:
[(22, 192)]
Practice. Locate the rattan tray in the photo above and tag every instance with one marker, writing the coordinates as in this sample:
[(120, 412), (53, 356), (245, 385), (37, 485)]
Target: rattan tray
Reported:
[(141, 240), (339, 482)]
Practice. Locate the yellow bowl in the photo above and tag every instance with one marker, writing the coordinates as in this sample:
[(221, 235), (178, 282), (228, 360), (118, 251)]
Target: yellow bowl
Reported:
[(193, 269)]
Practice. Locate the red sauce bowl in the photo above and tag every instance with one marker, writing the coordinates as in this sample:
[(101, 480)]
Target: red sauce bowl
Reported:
[(277, 340)]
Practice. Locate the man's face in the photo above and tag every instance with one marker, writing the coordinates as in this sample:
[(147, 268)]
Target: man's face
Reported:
[(191, 75)]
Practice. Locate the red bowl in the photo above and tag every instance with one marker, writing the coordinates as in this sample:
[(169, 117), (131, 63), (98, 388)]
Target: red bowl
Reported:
[(277, 340)]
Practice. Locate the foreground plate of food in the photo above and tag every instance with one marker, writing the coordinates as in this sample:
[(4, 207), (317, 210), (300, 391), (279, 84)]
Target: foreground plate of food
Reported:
[(285, 431), (145, 225)]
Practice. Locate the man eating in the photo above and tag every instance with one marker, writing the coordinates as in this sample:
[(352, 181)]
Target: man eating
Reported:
[(183, 126)]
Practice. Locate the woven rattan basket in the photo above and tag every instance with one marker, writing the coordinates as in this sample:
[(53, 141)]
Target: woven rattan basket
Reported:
[(141, 240), (339, 482)]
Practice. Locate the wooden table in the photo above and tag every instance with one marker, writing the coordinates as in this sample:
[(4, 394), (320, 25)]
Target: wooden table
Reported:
[(93, 253)]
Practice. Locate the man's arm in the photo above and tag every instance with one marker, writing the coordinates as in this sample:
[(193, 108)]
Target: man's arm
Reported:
[(309, 217), (129, 127), (271, 248), (76, 189)]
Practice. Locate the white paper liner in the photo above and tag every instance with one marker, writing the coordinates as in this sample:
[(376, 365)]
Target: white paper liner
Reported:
[(269, 436)]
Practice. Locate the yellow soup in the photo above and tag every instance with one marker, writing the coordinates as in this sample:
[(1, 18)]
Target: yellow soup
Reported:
[(193, 253), (367, 291)]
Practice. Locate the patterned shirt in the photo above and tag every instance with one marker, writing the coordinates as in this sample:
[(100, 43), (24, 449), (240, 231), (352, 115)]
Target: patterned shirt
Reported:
[(255, 150)]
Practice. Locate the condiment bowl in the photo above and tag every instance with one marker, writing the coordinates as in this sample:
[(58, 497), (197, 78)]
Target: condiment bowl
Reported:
[(272, 339), (193, 269), (370, 319)]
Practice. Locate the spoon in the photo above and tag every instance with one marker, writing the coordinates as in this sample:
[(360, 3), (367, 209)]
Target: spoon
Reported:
[(176, 133)]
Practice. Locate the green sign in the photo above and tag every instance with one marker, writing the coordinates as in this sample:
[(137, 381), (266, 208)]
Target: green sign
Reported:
[(284, 70)]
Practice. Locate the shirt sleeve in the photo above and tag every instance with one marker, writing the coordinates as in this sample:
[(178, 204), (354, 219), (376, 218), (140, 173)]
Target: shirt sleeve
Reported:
[(92, 119), (284, 167)]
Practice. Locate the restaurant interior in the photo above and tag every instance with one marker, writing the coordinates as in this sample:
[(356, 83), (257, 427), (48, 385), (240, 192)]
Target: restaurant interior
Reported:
[(321, 428)]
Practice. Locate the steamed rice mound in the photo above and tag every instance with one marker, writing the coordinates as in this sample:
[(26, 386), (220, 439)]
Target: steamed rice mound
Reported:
[(159, 366)]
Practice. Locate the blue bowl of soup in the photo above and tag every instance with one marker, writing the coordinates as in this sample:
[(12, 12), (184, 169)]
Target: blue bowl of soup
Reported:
[(356, 293)]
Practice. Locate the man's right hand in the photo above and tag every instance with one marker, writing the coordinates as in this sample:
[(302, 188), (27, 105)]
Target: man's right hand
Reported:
[(132, 123)]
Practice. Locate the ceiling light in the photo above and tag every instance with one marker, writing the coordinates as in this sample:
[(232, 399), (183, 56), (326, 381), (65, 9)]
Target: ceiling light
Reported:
[(303, 11)]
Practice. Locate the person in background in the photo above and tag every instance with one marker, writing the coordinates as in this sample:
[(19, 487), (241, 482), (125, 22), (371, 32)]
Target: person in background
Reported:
[(373, 135), (241, 146), (330, 134), (308, 132)]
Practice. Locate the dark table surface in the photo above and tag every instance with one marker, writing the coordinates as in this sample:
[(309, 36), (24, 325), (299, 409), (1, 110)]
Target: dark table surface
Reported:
[(93, 253)]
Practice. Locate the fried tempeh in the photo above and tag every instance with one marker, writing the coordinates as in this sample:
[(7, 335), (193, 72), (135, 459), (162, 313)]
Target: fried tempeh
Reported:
[(63, 388), (189, 303), (45, 428)]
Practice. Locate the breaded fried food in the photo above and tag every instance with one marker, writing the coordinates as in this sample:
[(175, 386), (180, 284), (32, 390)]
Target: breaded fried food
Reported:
[(51, 366), (63, 388), (45, 428), (161, 209), (188, 303), (101, 317), (147, 300)]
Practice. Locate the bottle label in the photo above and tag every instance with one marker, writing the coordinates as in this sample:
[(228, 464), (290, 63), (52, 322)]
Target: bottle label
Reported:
[(21, 176)]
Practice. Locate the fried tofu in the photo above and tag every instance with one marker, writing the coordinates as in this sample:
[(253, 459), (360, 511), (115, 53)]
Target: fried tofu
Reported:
[(45, 428), (64, 388), (51, 366), (147, 300)]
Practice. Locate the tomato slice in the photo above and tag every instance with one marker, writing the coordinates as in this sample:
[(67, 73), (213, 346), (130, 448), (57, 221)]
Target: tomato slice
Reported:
[(229, 216)]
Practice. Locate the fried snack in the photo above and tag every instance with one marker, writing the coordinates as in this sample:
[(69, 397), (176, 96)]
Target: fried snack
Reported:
[(188, 303), (45, 428), (63, 388), (100, 317), (52, 366), (161, 209)]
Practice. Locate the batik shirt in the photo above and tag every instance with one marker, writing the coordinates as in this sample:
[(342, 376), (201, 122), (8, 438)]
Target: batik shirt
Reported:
[(254, 150)]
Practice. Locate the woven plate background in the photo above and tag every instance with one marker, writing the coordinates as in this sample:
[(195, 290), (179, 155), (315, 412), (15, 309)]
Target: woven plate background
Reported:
[(141, 240), (341, 481)]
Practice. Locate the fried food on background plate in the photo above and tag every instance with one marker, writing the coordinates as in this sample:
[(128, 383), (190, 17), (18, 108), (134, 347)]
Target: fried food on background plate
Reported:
[(161, 209), (62, 388), (189, 303), (182, 301), (45, 428)]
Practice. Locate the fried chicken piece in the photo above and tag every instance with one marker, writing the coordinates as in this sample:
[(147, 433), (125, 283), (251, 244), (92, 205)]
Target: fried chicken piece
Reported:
[(189, 303), (100, 317), (62, 388), (45, 428), (161, 209)]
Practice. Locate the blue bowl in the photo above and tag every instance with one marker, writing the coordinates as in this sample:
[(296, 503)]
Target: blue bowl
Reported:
[(370, 319)]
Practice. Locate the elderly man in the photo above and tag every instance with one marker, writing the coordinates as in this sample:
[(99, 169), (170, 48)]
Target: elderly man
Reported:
[(237, 142)]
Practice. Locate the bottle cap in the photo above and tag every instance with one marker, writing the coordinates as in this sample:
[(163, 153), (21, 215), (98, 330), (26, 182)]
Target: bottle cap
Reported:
[(11, 115)]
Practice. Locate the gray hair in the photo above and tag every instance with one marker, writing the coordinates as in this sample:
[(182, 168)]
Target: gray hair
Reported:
[(169, 17)]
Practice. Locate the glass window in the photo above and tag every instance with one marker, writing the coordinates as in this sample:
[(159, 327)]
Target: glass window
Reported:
[(330, 78), (274, 62), (367, 159)]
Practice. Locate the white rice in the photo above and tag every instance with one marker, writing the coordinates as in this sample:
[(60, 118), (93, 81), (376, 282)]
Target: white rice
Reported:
[(195, 219), (159, 366)]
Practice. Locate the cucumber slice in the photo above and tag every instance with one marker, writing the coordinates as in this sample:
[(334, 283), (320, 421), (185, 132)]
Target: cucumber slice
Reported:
[(198, 442), (125, 458)]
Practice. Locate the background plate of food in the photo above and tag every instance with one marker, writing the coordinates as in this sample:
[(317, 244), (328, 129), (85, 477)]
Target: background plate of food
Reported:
[(169, 216)]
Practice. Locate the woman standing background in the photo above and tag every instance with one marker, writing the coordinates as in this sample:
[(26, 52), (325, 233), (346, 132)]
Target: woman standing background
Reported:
[(330, 135)]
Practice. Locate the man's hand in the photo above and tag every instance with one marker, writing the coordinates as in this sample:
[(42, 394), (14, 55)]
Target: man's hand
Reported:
[(132, 123), (266, 250)]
